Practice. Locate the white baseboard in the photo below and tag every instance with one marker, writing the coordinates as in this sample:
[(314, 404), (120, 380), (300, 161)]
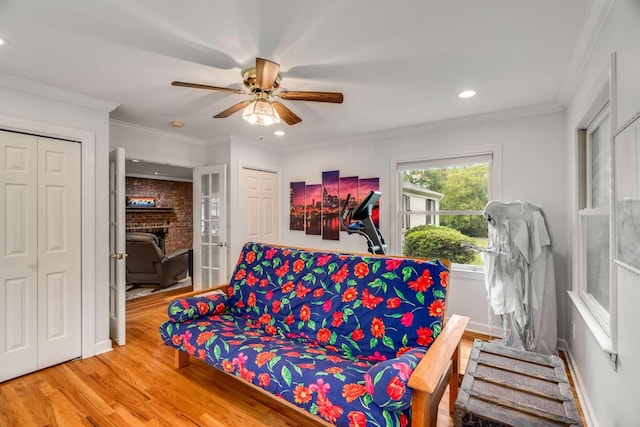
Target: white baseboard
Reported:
[(587, 409), (483, 328), (103, 347)]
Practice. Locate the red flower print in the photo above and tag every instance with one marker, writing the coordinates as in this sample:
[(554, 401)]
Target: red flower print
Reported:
[(407, 319), (220, 308), (287, 287), (189, 348), (368, 384), (318, 292), (377, 327), (357, 419), (289, 319), (298, 265), (240, 274), (202, 355), (227, 366), (353, 391), (264, 319), (396, 388), (283, 269), (250, 257), (328, 410), (264, 379), (203, 307), (402, 350), (240, 304), (286, 252), (404, 370), (422, 283), (270, 253), (301, 291), (264, 283), (357, 335), (275, 307), (230, 291), (340, 275), (269, 295), (247, 375), (301, 394), (323, 259), (404, 421), (184, 303), (324, 335), (251, 300), (393, 302), (333, 370), (292, 354), (334, 359), (264, 357), (350, 294), (337, 319), (392, 264), (271, 330), (306, 366), (176, 339), (370, 301), (204, 337), (361, 269), (326, 306), (251, 279), (305, 313), (425, 336), (444, 278), (436, 308)]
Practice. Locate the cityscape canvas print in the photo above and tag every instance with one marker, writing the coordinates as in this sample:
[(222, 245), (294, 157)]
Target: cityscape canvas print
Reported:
[(330, 205), (296, 210), (315, 208)]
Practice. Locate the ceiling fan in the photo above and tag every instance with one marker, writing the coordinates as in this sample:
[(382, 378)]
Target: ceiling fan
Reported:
[(262, 81)]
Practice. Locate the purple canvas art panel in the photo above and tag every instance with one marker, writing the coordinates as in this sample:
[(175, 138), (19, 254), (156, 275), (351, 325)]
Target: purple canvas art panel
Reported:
[(349, 185), (367, 185), (296, 206), (313, 209), (330, 205)]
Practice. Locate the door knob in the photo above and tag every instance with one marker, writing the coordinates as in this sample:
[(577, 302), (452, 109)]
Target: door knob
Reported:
[(222, 244), (33, 265)]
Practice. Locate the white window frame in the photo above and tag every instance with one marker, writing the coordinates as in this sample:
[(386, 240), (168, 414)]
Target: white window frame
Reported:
[(480, 152)]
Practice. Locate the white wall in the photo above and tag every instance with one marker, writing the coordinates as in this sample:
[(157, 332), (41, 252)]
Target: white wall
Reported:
[(66, 113), (534, 169), (610, 396)]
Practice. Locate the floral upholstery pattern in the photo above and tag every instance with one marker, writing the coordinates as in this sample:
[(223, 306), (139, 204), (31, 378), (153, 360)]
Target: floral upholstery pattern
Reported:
[(335, 334)]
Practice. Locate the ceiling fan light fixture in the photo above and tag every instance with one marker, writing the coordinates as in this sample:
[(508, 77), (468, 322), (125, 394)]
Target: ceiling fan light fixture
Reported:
[(467, 94), (261, 112)]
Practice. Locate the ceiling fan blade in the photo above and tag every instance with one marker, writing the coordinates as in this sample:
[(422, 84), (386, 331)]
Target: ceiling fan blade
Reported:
[(266, 73), (286, 114), (335, 97), (199, 86), (229, 111)]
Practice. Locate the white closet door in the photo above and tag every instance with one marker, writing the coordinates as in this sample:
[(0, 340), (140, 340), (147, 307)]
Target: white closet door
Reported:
[(59, 244), (260, 206), (18, 255)]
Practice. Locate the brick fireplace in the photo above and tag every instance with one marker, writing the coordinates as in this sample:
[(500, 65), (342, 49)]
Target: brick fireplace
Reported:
[(172, 218)]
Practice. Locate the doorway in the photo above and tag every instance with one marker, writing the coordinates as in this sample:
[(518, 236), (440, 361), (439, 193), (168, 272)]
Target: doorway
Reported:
[(261, 202)]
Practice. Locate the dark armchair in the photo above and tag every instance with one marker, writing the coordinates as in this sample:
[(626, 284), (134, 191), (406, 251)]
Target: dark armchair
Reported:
[(147, 264)]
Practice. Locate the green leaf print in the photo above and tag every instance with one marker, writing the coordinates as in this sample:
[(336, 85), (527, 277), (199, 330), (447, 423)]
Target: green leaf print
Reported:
[(285, 373)]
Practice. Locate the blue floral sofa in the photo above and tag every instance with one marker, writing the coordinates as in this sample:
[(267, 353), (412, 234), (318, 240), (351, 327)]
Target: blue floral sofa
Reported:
[(356, 340)]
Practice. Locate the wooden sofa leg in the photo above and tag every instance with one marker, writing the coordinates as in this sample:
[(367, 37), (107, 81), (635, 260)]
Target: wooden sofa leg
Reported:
[(181, 359), (453, 381), (423, 414)]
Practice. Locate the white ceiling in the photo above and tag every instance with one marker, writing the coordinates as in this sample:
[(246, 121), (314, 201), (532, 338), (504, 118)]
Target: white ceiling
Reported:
[(398, 63)]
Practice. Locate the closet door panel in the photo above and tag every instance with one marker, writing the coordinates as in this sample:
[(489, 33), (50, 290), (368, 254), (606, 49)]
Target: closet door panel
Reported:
[(18, 254), (59, 244)]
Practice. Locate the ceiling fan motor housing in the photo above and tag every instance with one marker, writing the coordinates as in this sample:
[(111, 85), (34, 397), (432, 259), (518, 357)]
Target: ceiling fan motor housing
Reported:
[(249, 79)]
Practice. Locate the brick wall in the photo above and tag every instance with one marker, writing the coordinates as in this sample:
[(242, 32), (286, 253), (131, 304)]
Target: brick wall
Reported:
[(168, 194)]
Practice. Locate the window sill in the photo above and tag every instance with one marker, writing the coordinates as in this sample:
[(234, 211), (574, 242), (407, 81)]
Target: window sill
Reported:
[(602, 337), (464, 272)]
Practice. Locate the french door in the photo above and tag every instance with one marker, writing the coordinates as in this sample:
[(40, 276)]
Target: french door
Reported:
[(117, 247), (209, 226)]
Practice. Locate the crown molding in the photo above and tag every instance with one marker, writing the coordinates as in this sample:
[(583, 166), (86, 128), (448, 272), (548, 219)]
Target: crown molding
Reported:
[(156, 133), (594, 19), (458, 122), (30, 86)]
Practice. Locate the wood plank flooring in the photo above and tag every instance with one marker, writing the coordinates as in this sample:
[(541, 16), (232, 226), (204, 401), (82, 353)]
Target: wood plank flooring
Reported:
[(137, 385)]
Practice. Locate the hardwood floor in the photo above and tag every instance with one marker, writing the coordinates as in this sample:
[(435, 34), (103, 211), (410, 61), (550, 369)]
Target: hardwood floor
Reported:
[(138, 385)]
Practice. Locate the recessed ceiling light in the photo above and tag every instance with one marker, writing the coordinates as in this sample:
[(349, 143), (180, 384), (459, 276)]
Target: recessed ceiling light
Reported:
[(279, 133), (135, 161), (3, 42), (467, 94), (177, 124)]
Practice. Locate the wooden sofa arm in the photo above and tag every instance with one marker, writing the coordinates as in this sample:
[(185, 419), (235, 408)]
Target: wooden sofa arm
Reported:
[(223, 287), (439, 366)]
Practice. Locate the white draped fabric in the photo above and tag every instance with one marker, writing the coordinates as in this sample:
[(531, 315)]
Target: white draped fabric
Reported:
[(519, 275)]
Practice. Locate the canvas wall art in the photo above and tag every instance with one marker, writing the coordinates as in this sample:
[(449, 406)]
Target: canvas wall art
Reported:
[(330, 205), (313, 209), (348, 186), (296, 206), (365, 186)]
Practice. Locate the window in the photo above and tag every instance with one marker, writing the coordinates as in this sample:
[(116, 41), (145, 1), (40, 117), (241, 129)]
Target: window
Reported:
[(442, 203), (594, 212)]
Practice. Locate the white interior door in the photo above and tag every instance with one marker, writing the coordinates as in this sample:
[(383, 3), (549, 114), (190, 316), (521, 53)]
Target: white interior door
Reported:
[(40, 258), (19, 256), (260, 206), (59, 252), (117, 246), (209, 226)]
